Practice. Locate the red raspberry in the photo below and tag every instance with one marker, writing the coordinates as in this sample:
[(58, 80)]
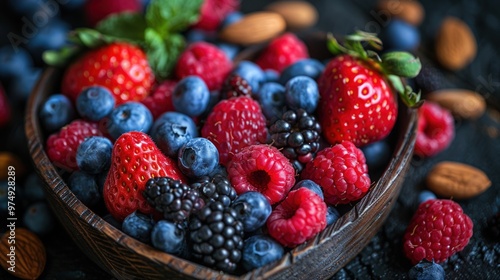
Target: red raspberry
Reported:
[(298, 218), (435, 131), (341, 171), (438, 230), (62, 146), (206, 61), (213, 12), (234, 124), (96, 10), (5, 112), (264, 169), (281, 52), (234, 85), (160, 99)]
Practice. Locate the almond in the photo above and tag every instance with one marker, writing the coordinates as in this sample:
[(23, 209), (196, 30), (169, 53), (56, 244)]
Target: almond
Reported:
[(254, 28), (410, 11), (462, 103), (457, 180), (297, 14), (455, 45), (26, 254)]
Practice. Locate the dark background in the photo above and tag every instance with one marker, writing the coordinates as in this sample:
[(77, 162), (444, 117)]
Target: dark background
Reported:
[(476, 143)]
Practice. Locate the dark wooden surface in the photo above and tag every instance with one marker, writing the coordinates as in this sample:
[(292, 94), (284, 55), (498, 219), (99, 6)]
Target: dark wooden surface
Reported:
[(476, 143)]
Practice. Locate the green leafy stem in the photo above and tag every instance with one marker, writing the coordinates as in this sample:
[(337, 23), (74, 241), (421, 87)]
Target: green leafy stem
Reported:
[(158, 32)]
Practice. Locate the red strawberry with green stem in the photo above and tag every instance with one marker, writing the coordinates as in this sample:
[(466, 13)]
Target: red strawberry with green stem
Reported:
[(358, 90), (135, 159)]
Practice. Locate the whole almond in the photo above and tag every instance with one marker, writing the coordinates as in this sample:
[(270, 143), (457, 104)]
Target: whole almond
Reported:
[(457, 180), (254, 28), (297, 14), (462, 103), (22, 253), (455, 45), (410, 11)]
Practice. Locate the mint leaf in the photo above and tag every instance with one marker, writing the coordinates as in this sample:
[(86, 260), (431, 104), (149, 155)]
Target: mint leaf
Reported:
[(172, 16), (126, 26), (162, 52)]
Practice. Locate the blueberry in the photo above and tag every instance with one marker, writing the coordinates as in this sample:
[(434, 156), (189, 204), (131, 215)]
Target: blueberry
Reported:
[(20, 88), (231, 18), (198, 157), (426, 270), (170, 137), (399, 35), (95, 103), (251, 72), (56, 112), (198, 35), (302, 92), (271, 98), (84, 187), (51, 36), (231, 50), (309, 67), (332, 215), (94, 154), (138, 226), (309, 185), (259, 250), (130, 116), (253, 209), (25, 7), (168, 237), (191, 96), (271, 76), (425, 195), (377, 154), (100, 179), (176, 118), (14, 62), (39, 218), (33, 188)]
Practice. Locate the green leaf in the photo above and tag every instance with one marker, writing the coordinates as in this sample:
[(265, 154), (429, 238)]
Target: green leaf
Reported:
[(126, 26), (60, 57), (162, 52), (409, 98), (172, 16), (402, 64)]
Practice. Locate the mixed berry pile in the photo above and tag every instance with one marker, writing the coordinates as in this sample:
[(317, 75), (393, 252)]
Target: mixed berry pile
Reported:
[(232, 164)]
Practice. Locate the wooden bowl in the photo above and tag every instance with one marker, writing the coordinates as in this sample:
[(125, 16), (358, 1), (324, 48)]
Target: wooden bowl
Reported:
[(126, 258)]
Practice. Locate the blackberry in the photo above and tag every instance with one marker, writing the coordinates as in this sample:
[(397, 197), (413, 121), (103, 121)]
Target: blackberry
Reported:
[(234, 85), (216, 236), (173, 198), (297, 135), (217, 188), (430, 79)]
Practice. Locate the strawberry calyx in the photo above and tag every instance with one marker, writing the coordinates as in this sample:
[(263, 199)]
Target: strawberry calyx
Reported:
[(394, 66), (157, 32)]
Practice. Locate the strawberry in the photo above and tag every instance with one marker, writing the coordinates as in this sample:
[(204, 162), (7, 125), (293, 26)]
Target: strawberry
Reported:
[(358, 100), (135, 159), (121, 67)]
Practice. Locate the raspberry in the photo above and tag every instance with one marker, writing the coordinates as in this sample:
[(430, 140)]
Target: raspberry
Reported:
[(96, 10), (160, 99), (282, 52), (173, 198), (234, 124), (206, 61), (298, 218), (264, 169), (436, 130), (234, 85), (213, 12), (341, 171), (63, 145), (438, 230)]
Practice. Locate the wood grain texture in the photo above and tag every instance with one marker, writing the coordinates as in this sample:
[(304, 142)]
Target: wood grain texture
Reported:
[(127, 258)]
